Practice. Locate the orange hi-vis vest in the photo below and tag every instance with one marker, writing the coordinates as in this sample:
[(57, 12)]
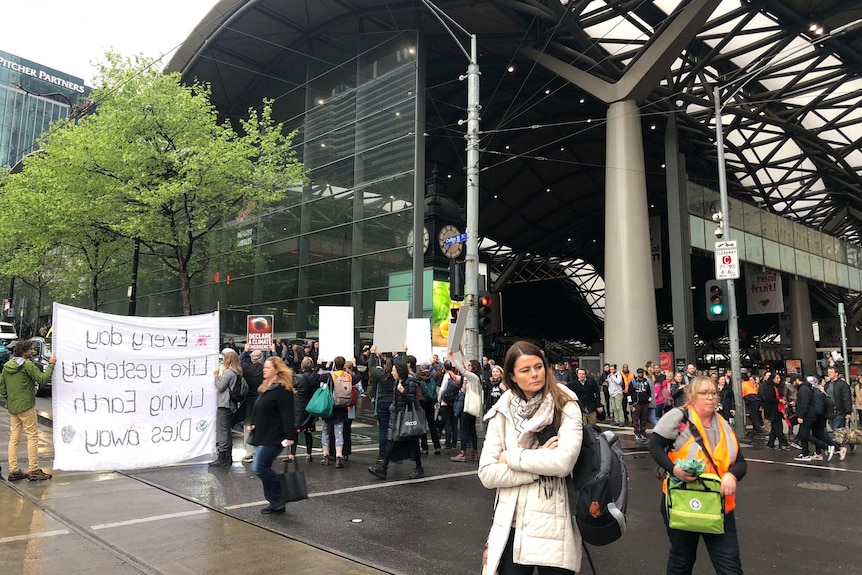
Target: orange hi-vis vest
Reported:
[(724, 453)]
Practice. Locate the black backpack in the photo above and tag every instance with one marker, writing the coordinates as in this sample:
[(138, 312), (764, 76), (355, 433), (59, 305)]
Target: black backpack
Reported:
[(239, 390), (598, 488), (823, 404), (453, 389)]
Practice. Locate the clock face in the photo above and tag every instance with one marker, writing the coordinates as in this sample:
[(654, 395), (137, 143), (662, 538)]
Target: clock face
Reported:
[(426, 240), (451, 250)]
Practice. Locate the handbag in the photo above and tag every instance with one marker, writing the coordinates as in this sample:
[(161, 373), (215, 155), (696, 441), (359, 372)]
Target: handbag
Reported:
[(473, 402), (293, 487), (320, 403), (849, 435), (410, 422), (696, 505)]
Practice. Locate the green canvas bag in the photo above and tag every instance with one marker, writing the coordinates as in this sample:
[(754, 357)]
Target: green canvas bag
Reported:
[(696, 506)]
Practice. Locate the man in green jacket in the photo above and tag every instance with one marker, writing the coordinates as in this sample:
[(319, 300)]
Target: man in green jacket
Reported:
[(18, 389)]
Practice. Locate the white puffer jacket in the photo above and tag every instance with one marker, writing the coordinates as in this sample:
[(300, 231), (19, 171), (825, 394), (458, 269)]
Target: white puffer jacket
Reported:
[(539, 511)]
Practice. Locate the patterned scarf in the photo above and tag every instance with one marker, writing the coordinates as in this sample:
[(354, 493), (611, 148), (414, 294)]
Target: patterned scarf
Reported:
[(532, 416)]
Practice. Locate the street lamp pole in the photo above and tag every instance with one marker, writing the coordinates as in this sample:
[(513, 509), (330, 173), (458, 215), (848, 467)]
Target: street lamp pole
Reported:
[(471, 266), (733, 318)]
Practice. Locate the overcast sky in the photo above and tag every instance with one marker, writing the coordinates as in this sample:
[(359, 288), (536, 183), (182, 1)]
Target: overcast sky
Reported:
[(67, 35)]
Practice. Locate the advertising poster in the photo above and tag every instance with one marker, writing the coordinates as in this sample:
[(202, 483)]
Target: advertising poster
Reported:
[(665, 359), (764, 293), (133, 392), (259, 332)]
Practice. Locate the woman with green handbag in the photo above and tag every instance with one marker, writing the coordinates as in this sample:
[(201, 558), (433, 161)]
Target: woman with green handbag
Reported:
[(695, 437)]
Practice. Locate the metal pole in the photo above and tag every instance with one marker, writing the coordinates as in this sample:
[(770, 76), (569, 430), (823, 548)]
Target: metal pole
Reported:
[(842, 317), (471, 273), (732, 322)]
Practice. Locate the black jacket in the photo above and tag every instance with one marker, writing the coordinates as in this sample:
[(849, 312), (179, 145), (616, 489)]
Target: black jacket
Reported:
[(841, 396), (804, 405), (639, 391), (305, 384), (273, 417), (589, 394), (770, 402), (252, 372)]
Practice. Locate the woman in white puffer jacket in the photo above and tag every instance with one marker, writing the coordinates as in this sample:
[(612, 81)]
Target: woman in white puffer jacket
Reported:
[(533, 438)]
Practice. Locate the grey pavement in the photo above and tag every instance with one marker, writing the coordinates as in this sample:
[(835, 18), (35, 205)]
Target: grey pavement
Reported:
[(792, 518)]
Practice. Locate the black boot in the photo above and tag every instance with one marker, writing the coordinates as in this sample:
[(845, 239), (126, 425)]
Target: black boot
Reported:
[(223, 460), (378, 471)]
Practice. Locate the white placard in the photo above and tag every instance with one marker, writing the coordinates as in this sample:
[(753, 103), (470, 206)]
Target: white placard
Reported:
[(132, 392), (390, 326), (336, 333), (726, 260), (456, 332), (419, 338)]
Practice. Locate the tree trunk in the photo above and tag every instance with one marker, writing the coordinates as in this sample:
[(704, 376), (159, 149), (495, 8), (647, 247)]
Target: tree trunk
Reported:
[(94, 291), (185, 288)]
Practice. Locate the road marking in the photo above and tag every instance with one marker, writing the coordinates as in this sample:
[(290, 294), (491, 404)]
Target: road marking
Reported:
[(148, 519), (806, 465), (366, 487), (33, 536)]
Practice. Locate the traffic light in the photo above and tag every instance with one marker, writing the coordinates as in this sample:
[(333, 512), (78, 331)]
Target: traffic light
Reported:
[(486, 300), (716, 306), (456, 280)]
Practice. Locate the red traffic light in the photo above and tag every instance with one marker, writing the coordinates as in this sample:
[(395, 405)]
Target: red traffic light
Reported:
[(486, 300)]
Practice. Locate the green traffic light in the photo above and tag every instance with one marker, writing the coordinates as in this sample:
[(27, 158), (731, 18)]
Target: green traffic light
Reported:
[(716, 309)]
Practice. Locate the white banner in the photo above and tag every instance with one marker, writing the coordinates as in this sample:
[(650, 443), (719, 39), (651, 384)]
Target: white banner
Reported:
[(419, 338), (764, 293), (132, 392)]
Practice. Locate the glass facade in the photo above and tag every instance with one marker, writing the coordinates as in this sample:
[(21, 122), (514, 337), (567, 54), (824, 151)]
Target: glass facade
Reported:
[(32, 96), (340, 239), (777, 243)]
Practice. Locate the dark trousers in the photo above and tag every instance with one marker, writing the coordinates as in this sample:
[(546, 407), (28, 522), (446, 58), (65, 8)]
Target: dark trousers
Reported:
[(723, 549), (309, 443), (382, 426), (450, 424), (640, 416), (753, 410), (261, 466), (468, 432), (509, 567), (224, 439), (819, 431), (777, 432), (432, 427), (806, 436), (413, 446)]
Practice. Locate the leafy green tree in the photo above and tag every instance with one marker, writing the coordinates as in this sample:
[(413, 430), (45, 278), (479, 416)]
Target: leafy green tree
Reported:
[(156, 163)]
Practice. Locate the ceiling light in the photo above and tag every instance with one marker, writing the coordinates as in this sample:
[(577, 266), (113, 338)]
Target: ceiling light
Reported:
[(320, 102), (547, 189), (663, 166), (449, 176), (507, 147), (547, 92), (562, 149), (495, 196), (510, 69), (582, 100), (322, 145), (411, 50), (652, 127), (397, 113)]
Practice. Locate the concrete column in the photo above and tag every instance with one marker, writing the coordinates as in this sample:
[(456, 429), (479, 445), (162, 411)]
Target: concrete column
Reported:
[(630, 317), (801, 333), (679, 245)]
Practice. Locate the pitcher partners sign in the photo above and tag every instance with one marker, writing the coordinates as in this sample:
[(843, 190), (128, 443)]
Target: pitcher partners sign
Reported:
[(132, 392)]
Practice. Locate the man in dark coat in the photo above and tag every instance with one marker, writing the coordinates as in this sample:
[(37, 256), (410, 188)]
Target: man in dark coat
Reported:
[(589, 396)]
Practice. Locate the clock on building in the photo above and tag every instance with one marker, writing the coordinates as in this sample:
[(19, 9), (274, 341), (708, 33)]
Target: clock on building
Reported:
[(426, 240), (449, 250)]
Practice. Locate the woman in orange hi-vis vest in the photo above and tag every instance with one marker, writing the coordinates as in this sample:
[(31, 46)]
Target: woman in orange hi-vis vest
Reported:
[(673, 442)]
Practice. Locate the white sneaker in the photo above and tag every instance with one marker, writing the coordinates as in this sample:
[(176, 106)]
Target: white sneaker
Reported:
[(802, 457), (816, 457), (830, 451), (842, 453)]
